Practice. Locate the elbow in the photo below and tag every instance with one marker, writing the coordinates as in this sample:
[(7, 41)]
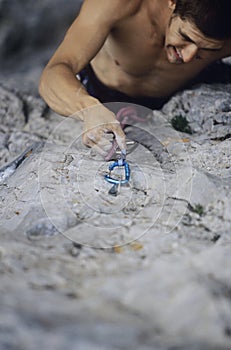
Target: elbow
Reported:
[(42, 86), (44, 89), (47, 90)]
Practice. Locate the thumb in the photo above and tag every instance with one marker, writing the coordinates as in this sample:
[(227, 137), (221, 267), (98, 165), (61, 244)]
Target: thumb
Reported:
[(120, 138)]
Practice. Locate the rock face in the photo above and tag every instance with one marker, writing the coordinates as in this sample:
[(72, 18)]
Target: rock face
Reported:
[(81, 269), (147, 269)]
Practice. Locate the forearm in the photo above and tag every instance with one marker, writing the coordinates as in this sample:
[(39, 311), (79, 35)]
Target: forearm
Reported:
[(63, 92)]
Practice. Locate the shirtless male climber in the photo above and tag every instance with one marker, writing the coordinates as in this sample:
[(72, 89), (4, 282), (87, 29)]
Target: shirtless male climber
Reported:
[(138, 51)]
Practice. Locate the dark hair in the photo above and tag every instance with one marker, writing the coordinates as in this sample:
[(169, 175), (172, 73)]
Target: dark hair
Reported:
[(211, 17)]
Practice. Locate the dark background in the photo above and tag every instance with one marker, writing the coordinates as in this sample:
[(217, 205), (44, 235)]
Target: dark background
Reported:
[(30, 31)]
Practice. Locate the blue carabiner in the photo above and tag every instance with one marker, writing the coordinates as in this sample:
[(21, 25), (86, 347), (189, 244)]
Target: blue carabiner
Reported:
[(118, 163)]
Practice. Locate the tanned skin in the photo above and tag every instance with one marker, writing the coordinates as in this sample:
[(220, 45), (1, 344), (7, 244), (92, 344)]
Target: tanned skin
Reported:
[(134, 46)]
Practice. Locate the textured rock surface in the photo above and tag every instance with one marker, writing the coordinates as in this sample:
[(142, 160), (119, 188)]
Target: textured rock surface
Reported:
[(163, 279)]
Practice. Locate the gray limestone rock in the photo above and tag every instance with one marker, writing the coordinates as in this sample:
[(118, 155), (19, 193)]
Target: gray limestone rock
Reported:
[(206, 109), (147, 269)]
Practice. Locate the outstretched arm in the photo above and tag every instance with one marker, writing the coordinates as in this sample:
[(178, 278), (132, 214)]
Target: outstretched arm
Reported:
[(59, 86)]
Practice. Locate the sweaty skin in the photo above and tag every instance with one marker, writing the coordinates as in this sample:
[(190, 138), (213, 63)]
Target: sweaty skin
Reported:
[(134, 46)]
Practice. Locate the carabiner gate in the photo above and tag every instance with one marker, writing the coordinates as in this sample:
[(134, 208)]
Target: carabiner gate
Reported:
[(118, 163)]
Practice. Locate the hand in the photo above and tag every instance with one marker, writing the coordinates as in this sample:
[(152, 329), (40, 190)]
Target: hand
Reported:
[(99, 125)]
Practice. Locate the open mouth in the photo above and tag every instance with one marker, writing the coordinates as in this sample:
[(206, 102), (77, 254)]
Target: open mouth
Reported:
[(177, 54), (174, 54)]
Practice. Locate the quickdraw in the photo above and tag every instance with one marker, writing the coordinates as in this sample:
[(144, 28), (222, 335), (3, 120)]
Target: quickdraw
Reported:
[(125, 115)]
